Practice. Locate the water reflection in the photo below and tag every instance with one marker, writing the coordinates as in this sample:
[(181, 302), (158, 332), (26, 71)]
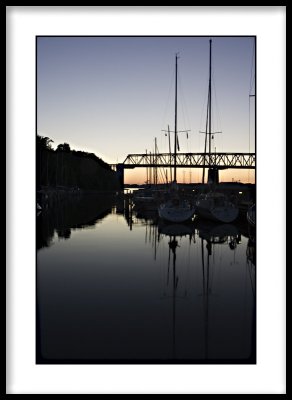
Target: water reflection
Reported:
[(174, 288), (115, 285), (73, 213), (214, 234)]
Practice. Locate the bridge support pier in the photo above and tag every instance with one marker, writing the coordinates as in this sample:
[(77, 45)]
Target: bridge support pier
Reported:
[(213, 175), (120, 172)]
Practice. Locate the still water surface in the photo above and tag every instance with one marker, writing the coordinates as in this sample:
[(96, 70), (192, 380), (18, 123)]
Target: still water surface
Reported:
[(115, 286)]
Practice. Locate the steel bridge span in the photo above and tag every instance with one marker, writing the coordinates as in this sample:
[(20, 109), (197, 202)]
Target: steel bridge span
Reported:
[(189, 160), (213, 162)]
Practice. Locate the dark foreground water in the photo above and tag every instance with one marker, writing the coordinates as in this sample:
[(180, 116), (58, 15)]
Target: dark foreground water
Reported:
[(115, 286)]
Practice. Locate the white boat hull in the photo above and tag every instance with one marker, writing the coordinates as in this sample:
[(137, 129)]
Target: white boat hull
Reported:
[(175, 214), (216, 207)]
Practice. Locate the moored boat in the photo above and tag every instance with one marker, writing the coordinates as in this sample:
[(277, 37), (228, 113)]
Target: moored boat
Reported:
[(216, 207), (175, 208)]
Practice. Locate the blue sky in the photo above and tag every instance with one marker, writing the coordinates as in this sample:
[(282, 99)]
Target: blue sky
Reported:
[(113, 95)]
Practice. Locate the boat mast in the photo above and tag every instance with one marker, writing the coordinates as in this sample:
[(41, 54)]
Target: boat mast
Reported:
[(208, 119), (175, 118), (210, 102)]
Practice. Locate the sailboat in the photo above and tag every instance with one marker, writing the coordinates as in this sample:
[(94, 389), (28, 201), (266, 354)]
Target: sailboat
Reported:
[(175, 209), (214, 205)]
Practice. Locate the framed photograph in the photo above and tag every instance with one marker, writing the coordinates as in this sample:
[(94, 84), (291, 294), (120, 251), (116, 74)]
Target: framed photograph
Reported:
[(143, 157)]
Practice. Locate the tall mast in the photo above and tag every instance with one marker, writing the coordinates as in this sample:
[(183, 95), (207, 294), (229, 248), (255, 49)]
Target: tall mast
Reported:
[(208, 131), (175, 118), (210, 99), (208, 119)]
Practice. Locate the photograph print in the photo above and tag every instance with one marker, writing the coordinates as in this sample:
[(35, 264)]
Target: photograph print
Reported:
[(145, 199)]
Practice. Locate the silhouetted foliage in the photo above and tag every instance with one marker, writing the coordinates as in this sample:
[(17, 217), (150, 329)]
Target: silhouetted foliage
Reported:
[(44, 143), (64, 147), (91, 156), (66, 168)]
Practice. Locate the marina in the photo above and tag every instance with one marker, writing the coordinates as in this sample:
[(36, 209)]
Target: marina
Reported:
[(135, 263)]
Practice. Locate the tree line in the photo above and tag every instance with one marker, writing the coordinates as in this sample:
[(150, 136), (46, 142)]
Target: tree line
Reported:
[(66, 168)]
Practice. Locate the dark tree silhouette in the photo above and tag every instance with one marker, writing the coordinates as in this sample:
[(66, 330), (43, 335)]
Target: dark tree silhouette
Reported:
[(44, 143), (65, 168), (64, 147)]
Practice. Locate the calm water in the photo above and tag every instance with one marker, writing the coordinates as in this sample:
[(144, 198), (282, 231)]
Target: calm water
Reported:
[(115, 286)]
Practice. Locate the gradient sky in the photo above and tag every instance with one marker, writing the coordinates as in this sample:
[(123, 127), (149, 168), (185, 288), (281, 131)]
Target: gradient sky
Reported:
[(113, 95)]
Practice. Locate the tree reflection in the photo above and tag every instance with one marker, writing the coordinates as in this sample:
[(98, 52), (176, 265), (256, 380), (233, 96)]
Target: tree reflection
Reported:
[(66, 213)]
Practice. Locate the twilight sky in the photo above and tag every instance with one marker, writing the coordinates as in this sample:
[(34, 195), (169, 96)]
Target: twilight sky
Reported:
[(113, 95)]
